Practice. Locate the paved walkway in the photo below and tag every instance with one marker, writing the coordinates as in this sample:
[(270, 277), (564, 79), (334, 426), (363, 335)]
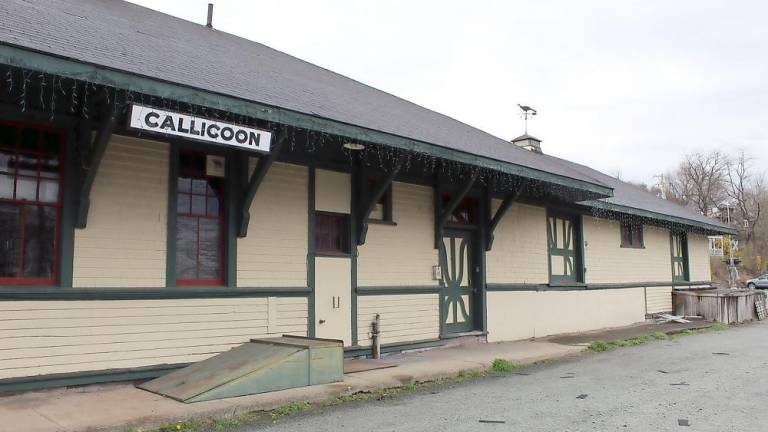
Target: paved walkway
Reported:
[(709, 382), (116, 406), (119, 405)]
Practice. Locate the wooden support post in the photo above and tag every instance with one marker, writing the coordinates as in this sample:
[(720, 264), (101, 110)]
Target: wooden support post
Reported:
[(448, 210), (91, 160), (368, 204), (256, 178), (502, 210)]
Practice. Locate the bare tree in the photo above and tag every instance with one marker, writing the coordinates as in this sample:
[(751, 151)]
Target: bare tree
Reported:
[(746, 190), (701, 180)]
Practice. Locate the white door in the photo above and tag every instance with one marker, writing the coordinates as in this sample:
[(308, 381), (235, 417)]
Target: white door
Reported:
[(333, 288)]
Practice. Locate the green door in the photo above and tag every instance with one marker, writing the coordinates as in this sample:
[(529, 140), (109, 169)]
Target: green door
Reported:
[(457, 278)]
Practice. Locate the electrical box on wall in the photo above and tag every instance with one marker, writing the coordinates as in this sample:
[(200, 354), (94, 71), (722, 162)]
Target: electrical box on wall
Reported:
[(215, 166), (437, 272)]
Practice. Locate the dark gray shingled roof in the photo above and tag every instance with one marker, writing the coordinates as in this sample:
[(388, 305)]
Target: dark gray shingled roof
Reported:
[(130, 38), (627, 195)]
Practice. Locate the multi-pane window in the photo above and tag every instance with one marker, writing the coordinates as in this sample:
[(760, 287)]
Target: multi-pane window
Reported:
[(199, 223), (332, 233), (30, 204), (564, 244), (631, 235), (679, 250)]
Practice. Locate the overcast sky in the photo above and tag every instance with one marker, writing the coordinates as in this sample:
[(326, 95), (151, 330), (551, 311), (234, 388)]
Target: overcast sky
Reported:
[(622, 86)]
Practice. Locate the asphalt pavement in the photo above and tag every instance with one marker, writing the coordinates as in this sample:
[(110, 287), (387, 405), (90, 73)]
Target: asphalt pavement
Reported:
[(715, 381)]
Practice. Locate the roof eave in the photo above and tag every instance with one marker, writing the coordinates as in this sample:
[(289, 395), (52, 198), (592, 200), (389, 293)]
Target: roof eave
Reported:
[(74, 69), (707, 227)]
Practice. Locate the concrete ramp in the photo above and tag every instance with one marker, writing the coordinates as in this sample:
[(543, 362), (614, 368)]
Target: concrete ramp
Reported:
[(258, 366)]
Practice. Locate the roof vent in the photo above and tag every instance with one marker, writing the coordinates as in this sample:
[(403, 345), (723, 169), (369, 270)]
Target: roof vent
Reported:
[(528, 142), (209, 21)]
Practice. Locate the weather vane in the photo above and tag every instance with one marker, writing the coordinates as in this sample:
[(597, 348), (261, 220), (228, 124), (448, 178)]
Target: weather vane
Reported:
[(527, 111)]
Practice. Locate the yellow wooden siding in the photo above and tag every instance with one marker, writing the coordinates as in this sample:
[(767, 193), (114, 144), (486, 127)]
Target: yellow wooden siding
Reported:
[(332, 191), (72, 336), (519, 253), (515, 315), (274, 253), (404, 254), (698, 258), (404, 318), (124, 244), (658, 299), (607, 262)]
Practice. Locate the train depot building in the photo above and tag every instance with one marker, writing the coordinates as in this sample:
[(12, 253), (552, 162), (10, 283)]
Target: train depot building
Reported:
[(169, 191)]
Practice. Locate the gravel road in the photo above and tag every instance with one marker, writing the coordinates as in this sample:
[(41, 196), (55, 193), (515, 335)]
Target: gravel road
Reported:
[(711, 382)]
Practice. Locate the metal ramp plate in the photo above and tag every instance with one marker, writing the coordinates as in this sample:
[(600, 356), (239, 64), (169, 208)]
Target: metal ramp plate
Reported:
[(258, 366)]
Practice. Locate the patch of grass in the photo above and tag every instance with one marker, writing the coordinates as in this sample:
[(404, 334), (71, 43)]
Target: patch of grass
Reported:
[(599, 346), (292, 408), (181, 426), (502, 366)]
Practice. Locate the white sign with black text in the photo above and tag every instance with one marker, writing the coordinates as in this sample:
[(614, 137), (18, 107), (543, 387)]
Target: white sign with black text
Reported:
[(198, 128)]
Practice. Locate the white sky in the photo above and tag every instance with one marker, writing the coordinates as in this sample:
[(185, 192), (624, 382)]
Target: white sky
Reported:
[(622, 86)]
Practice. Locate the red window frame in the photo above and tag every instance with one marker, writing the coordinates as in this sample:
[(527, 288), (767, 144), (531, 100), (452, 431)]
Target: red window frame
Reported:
[(186, 172), (332, 228), (39, 153)]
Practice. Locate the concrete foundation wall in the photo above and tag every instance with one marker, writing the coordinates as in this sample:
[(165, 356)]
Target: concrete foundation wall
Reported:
[(514, 315)]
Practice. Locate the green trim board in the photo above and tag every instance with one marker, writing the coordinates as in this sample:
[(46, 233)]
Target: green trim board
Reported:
[(170, 238), (491, 287), (83, 378), (358, 351), (397, 290), (68, 212), (57, 293), (69, 68), (311, 252)]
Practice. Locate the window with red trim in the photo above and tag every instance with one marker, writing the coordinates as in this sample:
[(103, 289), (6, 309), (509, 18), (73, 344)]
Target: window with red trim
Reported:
[(332, 233), (30, 204), (199, 223)]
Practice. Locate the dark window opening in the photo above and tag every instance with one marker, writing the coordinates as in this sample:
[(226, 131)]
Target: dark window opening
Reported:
[(30, 204), (199, 223), (465, 213), (631, 235), (332, 233)]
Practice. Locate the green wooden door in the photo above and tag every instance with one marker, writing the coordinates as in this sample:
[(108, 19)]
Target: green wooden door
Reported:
[(679, 250), (457, 278), (564, 243)]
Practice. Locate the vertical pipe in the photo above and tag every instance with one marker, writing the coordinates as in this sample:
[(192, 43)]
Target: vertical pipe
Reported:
[(375, 339), (209, 21)]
